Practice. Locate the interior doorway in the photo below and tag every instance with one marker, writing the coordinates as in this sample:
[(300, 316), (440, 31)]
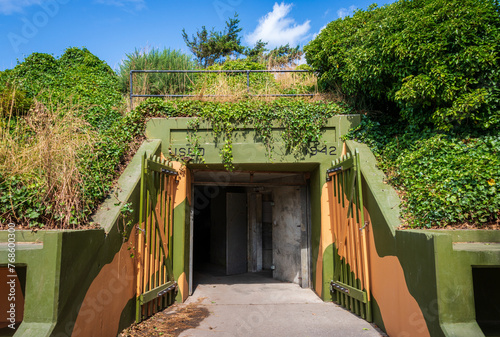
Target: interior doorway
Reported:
[(257, 226)]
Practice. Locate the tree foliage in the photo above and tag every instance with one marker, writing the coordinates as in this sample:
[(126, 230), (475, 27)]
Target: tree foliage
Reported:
[(281, 56), (435, 60), (256, 53), (213, 46)]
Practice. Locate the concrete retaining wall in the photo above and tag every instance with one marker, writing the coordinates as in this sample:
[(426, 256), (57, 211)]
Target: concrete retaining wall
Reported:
[(422, 280)]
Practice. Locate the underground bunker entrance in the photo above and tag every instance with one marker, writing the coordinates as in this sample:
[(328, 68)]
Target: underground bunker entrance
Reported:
[(253, 224)]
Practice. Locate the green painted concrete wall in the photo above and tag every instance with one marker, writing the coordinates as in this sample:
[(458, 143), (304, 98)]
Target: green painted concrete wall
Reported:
[(246, 145)]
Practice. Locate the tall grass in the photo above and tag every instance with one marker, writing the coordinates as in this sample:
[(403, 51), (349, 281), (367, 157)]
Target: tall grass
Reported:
[(39, 166), (157, 84)]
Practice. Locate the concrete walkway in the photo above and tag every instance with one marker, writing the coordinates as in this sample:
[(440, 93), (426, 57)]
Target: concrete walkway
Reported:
[(256, 305)]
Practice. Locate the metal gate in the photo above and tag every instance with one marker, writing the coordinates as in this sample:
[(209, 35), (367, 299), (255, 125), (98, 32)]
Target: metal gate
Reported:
[(156, 287), (351, 278)]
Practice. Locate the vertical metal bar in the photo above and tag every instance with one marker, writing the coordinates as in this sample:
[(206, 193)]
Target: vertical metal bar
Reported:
[(343, 235), (349, 241), (163, 228), (171, 225), (131, 90), (154, 278), (248, 81), (364, 242), (334, 217), (140, 242)]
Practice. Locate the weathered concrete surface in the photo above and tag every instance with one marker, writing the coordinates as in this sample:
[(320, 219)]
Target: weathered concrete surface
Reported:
[(287, 224), (256, 305)]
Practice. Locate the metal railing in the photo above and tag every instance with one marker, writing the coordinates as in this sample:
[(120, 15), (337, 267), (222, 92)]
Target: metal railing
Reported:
[(132, 72)]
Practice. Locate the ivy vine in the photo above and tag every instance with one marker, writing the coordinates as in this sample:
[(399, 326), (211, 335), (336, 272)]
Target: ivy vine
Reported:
[(300, 120)]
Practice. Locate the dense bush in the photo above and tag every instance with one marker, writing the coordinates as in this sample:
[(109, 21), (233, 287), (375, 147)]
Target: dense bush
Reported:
[(77, 78), (443, 179), (13, 102), (453, 180), (433, 61), (428, 70)]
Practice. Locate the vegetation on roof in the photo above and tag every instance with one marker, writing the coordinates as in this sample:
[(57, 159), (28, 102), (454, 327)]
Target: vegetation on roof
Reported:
[(65, 129)]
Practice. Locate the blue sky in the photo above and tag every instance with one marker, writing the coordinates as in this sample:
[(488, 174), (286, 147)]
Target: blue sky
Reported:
[(112, 28)]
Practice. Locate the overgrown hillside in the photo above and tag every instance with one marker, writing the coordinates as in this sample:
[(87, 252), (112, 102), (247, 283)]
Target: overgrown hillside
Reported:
[(63, 134), (428, 72), (65, 129)]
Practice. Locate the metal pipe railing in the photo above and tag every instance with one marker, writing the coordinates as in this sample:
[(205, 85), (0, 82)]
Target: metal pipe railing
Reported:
[(132, 72)]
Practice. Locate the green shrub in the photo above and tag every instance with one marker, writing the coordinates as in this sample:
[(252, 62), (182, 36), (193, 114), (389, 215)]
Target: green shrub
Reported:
[(450, 180), (13, 102), (35, 74), (443, 179), (19, 201), (432, 61), (77, 78)]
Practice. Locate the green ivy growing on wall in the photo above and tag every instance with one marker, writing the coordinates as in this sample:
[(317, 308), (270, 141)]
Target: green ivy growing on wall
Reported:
[(301, 121), (443, 179)]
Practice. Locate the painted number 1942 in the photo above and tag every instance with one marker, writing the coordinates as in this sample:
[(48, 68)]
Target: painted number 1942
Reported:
[(326, 150)]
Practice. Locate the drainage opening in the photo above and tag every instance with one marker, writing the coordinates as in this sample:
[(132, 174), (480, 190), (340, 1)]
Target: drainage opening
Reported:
[(487, 299)]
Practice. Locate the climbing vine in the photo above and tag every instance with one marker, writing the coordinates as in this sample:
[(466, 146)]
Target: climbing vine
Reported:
[(300, 120)]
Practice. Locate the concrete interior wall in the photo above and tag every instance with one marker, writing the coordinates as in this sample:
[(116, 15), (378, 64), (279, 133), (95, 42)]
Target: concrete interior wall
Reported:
[(255, 240), (267, 232), (277, 236), (286, 231)]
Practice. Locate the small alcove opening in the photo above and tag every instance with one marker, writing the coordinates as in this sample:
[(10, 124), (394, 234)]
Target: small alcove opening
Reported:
[(487, 299)]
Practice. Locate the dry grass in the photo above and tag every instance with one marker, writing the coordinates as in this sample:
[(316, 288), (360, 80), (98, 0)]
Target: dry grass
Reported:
[(43, 150), (170, 322), (288, 81), (233, 87)]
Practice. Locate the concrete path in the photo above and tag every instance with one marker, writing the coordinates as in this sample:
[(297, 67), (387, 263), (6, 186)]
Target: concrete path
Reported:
[(256, 305)]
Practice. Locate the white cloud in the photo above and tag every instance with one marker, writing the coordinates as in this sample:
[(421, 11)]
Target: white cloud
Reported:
[(136, 4), (278, 29), (343, 12), (16, 6)]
